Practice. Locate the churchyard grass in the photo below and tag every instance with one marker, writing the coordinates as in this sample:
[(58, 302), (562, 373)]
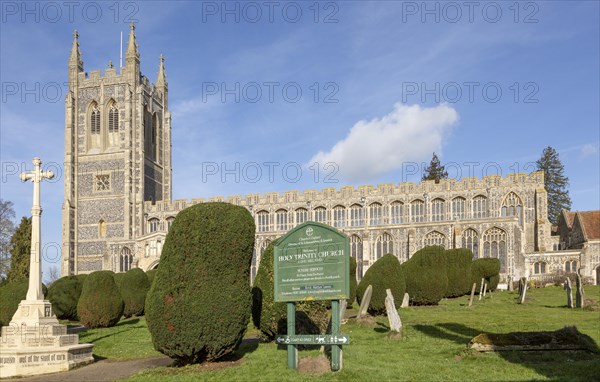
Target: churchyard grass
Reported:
[(433, 346)]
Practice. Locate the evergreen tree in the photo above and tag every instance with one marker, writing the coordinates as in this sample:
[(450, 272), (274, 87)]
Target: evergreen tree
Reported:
[(435, 170), (20, 244), (556, 183)]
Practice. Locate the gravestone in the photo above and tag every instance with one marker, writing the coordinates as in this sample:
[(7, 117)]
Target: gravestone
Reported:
[(343, 305), (579, 295), (405, 301), (510, 284), (392, 313), (569, 290), (481, 288), (472, 294), (364, 303), (484, 289), (524, 291)]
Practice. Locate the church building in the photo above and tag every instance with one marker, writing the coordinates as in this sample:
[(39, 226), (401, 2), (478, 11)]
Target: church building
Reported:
[(118, 203)]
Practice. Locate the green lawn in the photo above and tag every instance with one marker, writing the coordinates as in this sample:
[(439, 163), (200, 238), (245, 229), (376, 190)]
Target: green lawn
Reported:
[(433, 345)]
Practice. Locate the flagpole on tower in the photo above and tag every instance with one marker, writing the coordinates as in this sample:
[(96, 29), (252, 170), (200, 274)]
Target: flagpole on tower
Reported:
[(121, 52)]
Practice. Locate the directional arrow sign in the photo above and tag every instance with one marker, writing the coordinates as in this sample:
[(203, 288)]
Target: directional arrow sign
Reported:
[(313, 340)]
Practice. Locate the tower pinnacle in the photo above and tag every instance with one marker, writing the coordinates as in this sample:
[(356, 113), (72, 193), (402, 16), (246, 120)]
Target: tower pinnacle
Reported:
[(161, 80), (75, 58)]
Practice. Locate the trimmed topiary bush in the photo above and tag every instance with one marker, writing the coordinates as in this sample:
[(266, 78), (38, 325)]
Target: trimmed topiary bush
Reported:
[(199, 304), (151, 274), (426, 276), (134, 287), (458, 270), (270, 317), (100, 304), (353, 282), (384, 274), (118, 277), (11, 294), (488, 269), (64, 295)]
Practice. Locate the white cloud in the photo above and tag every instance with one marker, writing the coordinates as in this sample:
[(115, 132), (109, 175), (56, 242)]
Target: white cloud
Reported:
[(588, 150), (373, 148)]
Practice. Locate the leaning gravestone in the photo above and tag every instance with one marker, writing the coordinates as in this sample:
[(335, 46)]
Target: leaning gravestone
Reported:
[(392, 313), (364, 303), (472, 294), (405, 301), (484, 289), (524, 292), (579, 295), (343, 305), (569, 290), (481, 288)]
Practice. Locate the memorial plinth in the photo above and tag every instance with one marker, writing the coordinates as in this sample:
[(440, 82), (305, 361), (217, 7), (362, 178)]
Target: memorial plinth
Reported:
[(35, 342)]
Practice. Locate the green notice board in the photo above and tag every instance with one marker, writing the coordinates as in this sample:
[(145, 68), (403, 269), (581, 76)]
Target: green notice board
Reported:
[(312, 263)]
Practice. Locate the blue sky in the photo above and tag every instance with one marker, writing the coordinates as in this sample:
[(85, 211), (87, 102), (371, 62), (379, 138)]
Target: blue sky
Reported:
[(397, 81)]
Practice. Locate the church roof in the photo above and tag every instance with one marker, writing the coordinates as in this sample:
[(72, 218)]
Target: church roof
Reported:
[(569, 218), (590, 224)]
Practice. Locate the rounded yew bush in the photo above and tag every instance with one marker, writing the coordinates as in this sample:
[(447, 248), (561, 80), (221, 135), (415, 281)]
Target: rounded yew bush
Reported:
[(199, 304), (64, 295), (458, 270), (151, 274), (100, 304), (270, 317), (426, 276), (385, 273), (134, 287), (487, 269)]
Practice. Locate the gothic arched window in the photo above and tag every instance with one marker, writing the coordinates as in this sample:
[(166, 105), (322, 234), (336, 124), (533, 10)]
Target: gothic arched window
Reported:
[(434, 238), (356, 215), (494, 245), (321, 215), (153, 225), (417, 211), (263, 222), (571, 266), (479, 207), (458, 208), (95, 139), (301, 215), (339, 216), (384, 245), (470, 240), (513, 206), (113, 118), (282, 220), (101, 228), (438, 209), (375, 214), (539, 267), (125, 260), (170, 221), (356, 251), (396, 210)]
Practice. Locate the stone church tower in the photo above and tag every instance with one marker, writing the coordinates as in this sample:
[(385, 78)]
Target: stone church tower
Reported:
[(117, 156)]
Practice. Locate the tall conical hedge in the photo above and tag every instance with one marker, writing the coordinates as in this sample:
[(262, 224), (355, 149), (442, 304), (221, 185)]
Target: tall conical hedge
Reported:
[(488, 269), (100, 304), (64, 295), (270, 317), (384, 274), (426, 277), (199, 304), (134, 287), (151, 274), (458, 270)]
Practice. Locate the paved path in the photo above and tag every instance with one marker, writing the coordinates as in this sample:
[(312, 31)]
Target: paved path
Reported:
[(100, 371)]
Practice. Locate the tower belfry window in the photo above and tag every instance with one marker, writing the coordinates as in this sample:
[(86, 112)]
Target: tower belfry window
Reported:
[(113, 119), (95, 120)]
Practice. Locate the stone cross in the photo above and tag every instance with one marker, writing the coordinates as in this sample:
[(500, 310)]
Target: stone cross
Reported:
[(35, 270), (569, 290), (392, 312), (364, 303)]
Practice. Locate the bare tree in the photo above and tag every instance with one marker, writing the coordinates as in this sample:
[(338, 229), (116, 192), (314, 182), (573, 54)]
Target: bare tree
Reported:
[(7, 228), (53, 275)]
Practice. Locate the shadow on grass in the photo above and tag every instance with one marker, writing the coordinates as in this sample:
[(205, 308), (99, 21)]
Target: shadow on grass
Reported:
[(553, 364), (381, 328)]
